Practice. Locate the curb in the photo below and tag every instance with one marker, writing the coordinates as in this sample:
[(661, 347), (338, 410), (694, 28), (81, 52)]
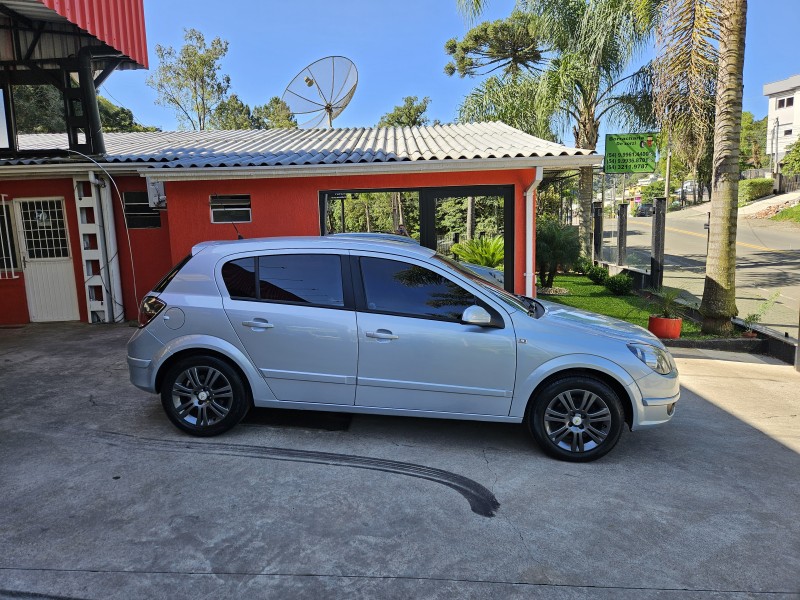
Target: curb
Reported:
[(766, 343)]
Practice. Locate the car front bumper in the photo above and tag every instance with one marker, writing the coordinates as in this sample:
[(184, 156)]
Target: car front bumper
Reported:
[(657, 396)]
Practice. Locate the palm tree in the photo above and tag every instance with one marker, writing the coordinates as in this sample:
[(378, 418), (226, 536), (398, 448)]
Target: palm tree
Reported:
[(691, 74), (719, 294), (583, 81)]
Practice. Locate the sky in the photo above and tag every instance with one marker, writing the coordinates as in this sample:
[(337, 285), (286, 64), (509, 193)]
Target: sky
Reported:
[(398, 48)]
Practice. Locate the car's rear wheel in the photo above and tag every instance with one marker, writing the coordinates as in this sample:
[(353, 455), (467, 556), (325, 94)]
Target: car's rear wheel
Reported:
[(577, 419), (204, 395)]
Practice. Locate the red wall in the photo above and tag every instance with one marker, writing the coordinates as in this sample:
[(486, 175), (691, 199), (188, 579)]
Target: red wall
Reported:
[(152, 257), (279, 207), (291, 206), (13, 301)]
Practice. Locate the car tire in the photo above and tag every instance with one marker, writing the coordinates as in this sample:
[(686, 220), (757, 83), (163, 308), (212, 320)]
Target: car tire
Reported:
[(576, 419), (204, 395)]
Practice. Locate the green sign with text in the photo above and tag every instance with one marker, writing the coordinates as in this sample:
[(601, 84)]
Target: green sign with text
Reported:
[(630, 153)]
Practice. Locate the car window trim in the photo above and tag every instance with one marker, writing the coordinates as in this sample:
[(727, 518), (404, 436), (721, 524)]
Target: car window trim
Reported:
[(498, 322)]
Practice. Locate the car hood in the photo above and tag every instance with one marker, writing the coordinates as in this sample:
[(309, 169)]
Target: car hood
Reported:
[(592, 323)]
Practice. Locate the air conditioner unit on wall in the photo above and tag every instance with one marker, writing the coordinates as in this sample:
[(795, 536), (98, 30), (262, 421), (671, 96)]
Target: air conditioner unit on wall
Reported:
[(156, 198)]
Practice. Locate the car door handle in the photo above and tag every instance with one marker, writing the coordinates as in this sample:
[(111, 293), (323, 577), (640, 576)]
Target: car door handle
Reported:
[(382, 334), (258, 324)]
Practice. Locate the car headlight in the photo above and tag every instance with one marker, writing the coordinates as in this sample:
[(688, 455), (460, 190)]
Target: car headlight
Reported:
[(657, 359)]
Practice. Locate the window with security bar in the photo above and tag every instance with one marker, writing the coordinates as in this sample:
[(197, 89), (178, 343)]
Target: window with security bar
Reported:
[(231, 209), (138, 212), (8, 253), (44, 229)]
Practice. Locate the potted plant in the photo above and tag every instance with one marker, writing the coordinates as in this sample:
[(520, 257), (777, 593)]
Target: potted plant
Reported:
[(667, 322), (755, 317), (749, 321)]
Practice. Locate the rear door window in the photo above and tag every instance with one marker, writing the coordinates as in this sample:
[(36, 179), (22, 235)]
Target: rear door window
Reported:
[(313, 279)]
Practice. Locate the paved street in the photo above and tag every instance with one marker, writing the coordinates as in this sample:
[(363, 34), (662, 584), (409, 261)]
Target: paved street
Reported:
[(104, 499), (768, 259)]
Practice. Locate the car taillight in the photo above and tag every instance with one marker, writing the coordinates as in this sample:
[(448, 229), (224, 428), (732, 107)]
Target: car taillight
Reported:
[(149, 308)]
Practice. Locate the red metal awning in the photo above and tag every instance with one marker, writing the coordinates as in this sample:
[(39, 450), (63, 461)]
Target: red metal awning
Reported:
[(118, 23)]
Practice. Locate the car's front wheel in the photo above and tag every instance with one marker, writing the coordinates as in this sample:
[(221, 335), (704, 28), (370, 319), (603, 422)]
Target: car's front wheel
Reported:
[(204, 395), (577, 419)]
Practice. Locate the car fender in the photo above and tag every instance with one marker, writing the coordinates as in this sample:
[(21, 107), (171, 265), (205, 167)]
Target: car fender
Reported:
[(257, 383), (568, 362)]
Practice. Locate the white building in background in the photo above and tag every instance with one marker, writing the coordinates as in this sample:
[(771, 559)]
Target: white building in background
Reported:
[(783, 117)]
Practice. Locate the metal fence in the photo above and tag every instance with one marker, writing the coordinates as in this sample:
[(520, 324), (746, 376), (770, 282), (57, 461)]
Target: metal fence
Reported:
[(756, 173), (627, 238), (791, 183)]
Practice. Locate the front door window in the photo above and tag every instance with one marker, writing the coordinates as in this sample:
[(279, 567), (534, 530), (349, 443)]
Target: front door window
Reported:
[(400, 288)]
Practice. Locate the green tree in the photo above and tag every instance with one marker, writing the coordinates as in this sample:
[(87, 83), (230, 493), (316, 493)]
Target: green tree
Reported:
[(511, 101), (791, 162), (40, 109), (190, 81), (508, 44), (411, 113), (591, 44), (702, 48), (231, 113), (753, 143), (684, 76), (719, 293), (274, 114), (117, 118), (557, 245)]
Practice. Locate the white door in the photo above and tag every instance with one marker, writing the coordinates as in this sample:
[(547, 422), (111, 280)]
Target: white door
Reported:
[(46, 262)]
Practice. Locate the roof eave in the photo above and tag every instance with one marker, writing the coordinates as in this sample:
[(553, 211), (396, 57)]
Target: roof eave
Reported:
[(332, 170), (161, 172)]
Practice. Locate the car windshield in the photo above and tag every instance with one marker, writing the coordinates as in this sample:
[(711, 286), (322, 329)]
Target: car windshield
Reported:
[(495, 290)]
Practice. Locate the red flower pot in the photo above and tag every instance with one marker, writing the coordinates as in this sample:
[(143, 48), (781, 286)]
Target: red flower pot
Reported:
[(667, 329)]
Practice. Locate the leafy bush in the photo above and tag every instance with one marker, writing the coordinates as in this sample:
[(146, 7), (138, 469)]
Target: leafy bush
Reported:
[(597, 274), (557, 246), (620, 285), (752, 189), (651, 190), (486, 251), (791, 162), (582, 265)]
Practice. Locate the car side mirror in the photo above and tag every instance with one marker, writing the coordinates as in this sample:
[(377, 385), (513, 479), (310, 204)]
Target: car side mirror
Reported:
[(476, 315)]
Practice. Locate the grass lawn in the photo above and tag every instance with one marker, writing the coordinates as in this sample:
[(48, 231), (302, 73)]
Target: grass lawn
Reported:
[(589, 296), (789, 214)]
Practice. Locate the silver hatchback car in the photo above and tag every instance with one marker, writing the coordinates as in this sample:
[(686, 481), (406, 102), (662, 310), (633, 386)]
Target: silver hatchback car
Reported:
[(384, 327)]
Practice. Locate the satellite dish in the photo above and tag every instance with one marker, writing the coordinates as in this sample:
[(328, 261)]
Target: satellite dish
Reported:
[(320, 92)]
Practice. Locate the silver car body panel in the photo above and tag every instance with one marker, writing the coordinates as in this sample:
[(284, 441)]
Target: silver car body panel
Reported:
[(306, 353), (416, 370), (321, 359)]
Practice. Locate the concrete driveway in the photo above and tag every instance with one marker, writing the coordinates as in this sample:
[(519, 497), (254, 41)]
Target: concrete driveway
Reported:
[(102, 498)]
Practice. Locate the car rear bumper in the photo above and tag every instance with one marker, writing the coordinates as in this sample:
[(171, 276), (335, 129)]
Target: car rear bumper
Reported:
[(141, 370), (140, 374)]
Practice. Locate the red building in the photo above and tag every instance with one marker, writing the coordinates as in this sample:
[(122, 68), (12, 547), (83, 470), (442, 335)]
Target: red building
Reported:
[(85, 240)]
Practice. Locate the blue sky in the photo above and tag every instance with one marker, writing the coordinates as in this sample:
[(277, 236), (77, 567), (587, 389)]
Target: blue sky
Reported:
[(398, 48)]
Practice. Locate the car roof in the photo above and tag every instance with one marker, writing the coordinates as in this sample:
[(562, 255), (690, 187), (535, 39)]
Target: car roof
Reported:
[(335, 242)]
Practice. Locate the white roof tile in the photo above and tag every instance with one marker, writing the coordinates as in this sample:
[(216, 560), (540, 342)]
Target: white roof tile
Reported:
[(255, 148)]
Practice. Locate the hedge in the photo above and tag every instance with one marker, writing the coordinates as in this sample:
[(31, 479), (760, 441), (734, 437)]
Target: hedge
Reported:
[(752, 189)]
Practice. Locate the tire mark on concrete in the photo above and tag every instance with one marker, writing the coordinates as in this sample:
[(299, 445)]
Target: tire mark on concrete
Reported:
[(481, 500)]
